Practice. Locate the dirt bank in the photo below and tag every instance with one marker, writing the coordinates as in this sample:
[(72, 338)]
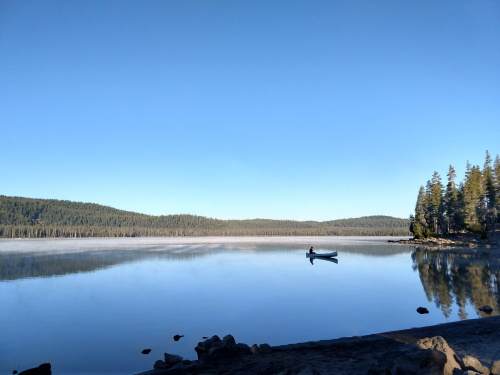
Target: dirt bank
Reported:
[(372, 354)]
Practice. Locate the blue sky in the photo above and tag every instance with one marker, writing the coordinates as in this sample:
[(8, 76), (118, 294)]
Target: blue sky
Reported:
[(245, 109)]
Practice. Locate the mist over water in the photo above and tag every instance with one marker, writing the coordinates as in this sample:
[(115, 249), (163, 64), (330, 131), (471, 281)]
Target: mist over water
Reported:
[(92, 305)]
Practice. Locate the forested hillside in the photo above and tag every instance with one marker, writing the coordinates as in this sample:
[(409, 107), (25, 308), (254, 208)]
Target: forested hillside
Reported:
[(472, 205), (39, 218)]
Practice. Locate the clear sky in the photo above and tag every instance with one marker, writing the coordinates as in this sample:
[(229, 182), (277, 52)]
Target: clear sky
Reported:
[(303, 110)]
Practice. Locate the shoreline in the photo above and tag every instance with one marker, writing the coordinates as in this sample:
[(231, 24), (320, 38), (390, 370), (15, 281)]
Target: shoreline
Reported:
[(370, 354), (456, 241)]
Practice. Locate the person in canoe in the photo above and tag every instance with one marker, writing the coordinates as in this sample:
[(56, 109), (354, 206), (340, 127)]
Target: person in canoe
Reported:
[(311, 251)]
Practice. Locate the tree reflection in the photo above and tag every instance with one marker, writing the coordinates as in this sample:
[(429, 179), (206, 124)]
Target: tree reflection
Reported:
[(449, 277), (32, 265)]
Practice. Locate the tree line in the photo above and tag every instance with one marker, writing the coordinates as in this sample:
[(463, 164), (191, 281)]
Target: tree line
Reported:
[(472, 205), (47, 218)]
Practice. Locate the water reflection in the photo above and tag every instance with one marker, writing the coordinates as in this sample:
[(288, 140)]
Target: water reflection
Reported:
[(15, 266), (333, 260), (449, 277), (48, 258)]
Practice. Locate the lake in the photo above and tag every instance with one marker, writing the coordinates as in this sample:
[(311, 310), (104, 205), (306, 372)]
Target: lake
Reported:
[(90, 306)]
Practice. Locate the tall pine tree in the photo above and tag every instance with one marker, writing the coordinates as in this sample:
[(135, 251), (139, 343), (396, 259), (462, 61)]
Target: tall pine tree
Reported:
[(489, 191), (496, 184), (418, 225), (473, 196), (450, 202), (435, 197)]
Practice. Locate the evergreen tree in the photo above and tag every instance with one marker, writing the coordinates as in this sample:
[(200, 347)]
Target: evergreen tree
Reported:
[(473, 194), (450, 202), (436, 200), (496, 184), (460, 214), (472, 204), (489, 191), (428, 210), (419, 223)]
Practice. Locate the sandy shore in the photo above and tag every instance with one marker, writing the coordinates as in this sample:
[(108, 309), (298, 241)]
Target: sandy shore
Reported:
[(369, 354)]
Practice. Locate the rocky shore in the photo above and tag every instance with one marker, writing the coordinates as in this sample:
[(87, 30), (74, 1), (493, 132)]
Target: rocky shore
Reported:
[(465, 347), (457, 241)]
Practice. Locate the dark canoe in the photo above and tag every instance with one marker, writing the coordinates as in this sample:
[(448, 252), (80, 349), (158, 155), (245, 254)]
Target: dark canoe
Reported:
[(327, 255)]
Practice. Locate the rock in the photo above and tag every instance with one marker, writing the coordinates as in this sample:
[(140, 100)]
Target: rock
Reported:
[(265, 348), (14, 372), (495, 369), (203, 347), (486, 309), (215, 349), (243, 349), (471, 363), (178, 337), (43, 369), (229, 343), (254, 349), (440, 344), (414, 360), (209, 342), (172, 359), (159, 364), (146, 351), (422, 310)]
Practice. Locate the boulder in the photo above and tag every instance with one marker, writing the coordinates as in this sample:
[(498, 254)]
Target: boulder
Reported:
[(170, 361), (417, 361), (215, 349), (43, 369), (255, 349), (159, 364), (203, 347), (229, 343), (243, 349), (440, 344), (422, 310), (471, 363), (486, 309), (495, 369), (265, 348)]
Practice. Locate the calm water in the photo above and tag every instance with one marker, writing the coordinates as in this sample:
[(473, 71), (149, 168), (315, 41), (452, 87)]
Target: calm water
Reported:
[(90, 306)]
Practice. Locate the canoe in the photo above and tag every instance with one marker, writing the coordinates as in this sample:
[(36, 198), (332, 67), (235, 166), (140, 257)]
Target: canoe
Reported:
[(327, 255)]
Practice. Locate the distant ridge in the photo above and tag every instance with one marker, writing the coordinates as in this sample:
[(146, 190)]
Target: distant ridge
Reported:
[(40, 218)]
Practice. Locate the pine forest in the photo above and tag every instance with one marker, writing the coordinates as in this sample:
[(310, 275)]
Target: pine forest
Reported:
[(49, 218), (472, 205)]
